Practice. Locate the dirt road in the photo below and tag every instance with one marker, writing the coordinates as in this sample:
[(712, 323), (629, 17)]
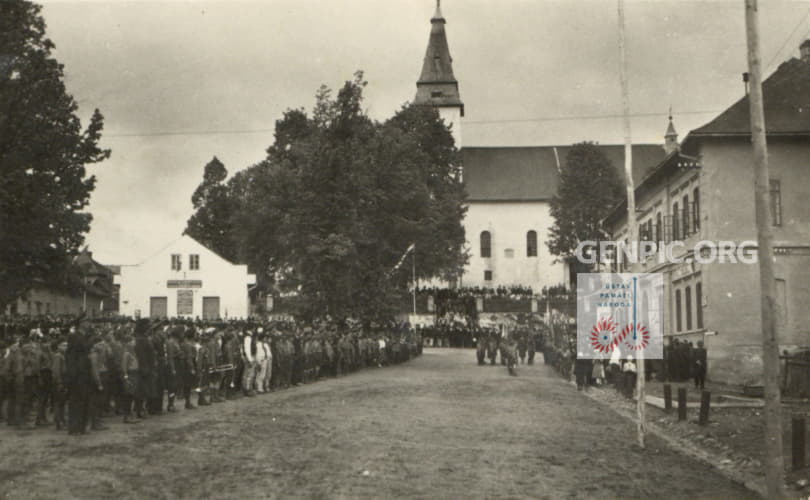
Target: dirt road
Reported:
[(436, 427)]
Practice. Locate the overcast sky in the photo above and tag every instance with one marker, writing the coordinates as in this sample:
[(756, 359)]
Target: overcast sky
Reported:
[(181, 82)]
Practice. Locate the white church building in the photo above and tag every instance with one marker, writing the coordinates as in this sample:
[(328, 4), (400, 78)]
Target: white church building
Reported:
[(509, 188), (185, 279)]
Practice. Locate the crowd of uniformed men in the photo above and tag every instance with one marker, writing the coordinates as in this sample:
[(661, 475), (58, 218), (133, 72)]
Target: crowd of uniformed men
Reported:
[(516, 347), (80, 372)]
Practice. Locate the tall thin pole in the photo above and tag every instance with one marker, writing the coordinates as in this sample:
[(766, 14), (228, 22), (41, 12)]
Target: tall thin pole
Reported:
[(632, 229), (413, 276), (774, 461)]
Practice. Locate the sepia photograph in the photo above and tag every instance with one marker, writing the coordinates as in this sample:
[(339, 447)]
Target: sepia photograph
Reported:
[(416, 249)]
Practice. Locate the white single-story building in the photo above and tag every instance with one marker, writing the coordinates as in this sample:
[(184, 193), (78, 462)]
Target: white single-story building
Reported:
[(185, 279)]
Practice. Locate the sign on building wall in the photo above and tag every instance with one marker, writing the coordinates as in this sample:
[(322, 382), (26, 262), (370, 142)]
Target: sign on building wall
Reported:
[(185, 302), (184, 284)]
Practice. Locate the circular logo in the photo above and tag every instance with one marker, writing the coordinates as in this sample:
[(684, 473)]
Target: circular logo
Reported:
[(637, 339), (603, 335)]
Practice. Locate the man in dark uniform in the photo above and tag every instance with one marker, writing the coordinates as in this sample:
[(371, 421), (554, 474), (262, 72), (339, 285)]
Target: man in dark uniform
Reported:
[(78, 379), (174, 364), (699, 367), (147, 366), (481, 347), (155, 403)]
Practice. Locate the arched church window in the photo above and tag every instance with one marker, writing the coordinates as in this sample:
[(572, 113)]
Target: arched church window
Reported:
[(531, 243), (486, 244)]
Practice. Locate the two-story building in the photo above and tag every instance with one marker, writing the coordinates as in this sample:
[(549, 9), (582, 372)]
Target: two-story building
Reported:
[(704, 191), (185, 279)]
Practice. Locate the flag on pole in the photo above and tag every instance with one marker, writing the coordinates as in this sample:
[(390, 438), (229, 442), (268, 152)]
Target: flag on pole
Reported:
[(402, 259)]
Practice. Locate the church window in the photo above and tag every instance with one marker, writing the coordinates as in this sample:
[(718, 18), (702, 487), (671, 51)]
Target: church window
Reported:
[(486, 244), (531, 244)]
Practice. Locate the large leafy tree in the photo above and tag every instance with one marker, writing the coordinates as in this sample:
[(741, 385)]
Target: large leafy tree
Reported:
[(340, 197), (210, 223), (589, 188), (44, 186)]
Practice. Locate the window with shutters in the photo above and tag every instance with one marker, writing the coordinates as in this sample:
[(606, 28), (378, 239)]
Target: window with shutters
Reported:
[(676, 227), (688, 300), (685, 217), (678, 318), (696, 209), (776, 202), (699, 303), (659, 227)]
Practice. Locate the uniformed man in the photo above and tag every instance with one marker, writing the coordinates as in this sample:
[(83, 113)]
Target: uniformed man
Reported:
[(78, 378), (59, 379), (100, 380), (175, 366), (188, 370)]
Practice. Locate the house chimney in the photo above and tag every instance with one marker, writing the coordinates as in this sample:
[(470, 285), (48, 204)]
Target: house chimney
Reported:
[(804, 50)]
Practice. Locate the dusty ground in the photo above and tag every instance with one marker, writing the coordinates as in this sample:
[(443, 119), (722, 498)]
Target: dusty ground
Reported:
[(437, 427)]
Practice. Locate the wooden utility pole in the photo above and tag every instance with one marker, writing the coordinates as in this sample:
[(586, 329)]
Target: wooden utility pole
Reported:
[(632, 228), (774, 461)]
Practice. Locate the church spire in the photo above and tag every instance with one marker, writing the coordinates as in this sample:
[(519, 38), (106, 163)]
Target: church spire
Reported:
[(437, 86), (671, 137)]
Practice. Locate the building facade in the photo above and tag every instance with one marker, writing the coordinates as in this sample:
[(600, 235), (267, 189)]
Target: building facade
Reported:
[(704, 191), (185, 279)]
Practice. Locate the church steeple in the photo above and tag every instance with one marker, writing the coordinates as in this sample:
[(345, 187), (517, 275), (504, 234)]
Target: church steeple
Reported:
[(671, 137), (437, 85)]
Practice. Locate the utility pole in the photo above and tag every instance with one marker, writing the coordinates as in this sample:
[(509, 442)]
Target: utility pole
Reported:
[(774, 461), (632, 228), (413, 277)]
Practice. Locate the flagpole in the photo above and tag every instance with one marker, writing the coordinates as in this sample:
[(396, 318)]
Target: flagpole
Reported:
[(413, 271)]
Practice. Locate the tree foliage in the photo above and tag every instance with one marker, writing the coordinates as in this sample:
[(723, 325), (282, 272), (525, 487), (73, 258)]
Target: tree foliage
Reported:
[(213, 212), (589, 188), (44, 186), (340, 197)]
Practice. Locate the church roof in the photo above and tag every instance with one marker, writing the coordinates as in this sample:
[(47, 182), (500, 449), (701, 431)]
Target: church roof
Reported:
[(531, 173), (437, 85), (786, 99)]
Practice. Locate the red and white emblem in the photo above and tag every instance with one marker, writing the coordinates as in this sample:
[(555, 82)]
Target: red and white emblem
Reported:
[(603, 335)]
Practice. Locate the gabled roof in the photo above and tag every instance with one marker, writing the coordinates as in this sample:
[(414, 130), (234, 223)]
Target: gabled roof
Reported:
[(670, 165), (786, 99), (531, 173), (181, 238)]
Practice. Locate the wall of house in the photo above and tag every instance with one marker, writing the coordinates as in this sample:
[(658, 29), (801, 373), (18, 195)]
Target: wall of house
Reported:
[(42, 301), (508, 224), (218, 277), (733, 296)]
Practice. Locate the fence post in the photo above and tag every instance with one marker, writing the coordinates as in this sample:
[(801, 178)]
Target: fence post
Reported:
[(681, 403), (668, 398), (705, 400), (797, 438)]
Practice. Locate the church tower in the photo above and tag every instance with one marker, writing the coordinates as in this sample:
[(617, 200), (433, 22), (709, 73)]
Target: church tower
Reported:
[(437, 86), (671, 137)]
